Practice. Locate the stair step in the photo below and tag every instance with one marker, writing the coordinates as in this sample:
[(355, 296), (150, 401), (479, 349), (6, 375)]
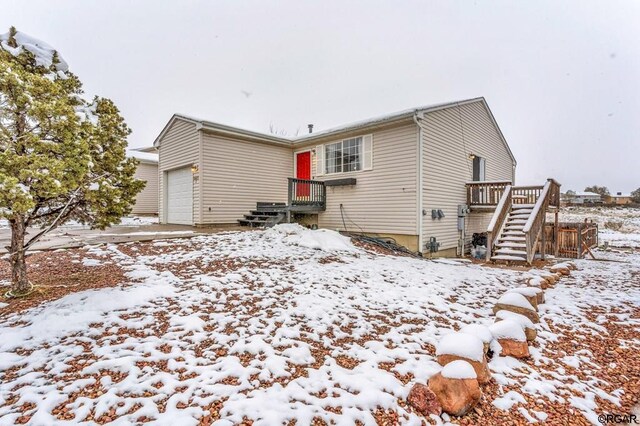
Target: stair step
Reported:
[(516, 221), (519, 216), (260, 216), (512, 252), (251, 223), (511, 244), (265, 212), (508, 257), (511, 238), (515, 232), (522, 206), (514, 227), (267, 204)]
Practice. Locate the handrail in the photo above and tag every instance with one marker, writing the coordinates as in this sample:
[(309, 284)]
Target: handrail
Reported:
[(497, 220), (535, 224), (307, 193), (485, 193)]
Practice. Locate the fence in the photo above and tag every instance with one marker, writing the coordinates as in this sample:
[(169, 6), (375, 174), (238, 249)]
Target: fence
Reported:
[(575, 239)]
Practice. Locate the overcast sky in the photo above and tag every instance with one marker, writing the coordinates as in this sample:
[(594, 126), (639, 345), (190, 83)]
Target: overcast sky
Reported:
[(562, 78)]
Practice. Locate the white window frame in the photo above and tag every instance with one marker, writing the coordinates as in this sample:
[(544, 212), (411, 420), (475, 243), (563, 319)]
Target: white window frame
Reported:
[(365, 156), (357, 165)]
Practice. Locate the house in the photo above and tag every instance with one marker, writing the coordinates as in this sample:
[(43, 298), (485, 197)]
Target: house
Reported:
[(586, 198), (428, 177), (619, 199), (147, 170)]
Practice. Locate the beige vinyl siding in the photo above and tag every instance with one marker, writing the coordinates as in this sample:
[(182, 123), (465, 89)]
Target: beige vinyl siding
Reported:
[(238, 174), (476, 222), (447, 166), (179, 148), (147, 199), (384, 198)]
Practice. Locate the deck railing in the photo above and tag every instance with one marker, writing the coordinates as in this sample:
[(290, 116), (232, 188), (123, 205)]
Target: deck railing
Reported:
[(309, 194), (533, 229), (485, 193)]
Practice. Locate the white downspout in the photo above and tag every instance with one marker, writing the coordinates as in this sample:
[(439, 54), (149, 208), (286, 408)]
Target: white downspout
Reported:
[(419, 195)]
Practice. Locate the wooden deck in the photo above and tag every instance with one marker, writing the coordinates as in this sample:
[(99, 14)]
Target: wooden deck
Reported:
[(519, 216)]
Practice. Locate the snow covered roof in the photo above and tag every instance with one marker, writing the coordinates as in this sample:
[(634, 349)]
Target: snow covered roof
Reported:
[(41, 50), (621, 195), (143, 157), (587, 194), (371, 122)]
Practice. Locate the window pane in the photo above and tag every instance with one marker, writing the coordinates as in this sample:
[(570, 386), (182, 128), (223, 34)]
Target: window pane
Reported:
[(333, 158), (351, 154)]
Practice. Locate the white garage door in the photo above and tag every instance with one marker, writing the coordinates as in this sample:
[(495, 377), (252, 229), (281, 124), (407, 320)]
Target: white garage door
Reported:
[(180, 196)]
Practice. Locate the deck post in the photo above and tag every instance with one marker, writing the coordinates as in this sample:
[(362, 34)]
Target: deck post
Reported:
[(579, 253), (543, 242), (556, 235)]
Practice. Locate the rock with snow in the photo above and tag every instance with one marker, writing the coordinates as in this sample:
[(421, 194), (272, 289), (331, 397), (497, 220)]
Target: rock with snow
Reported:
[(526, 324), (534, 295), (561, 268), (508, 329), (511, 337), (456, 396), (459, 370), (424, 401), (538, 281), (466, 347), (480, 331), (517, 303)]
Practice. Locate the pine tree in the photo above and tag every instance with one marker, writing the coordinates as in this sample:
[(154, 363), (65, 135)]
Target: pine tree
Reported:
[(61, 157)]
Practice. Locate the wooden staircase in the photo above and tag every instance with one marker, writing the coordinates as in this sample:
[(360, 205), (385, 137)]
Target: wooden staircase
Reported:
[(512, 245), (516, 231)]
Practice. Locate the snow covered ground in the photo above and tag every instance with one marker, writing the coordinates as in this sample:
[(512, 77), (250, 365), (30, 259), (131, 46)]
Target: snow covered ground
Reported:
[(289, 324)]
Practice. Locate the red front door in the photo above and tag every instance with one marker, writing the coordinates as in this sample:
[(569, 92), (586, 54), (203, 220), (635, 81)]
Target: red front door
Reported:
[(303, 171)]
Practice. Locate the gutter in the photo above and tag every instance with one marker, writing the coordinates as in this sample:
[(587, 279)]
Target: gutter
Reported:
[(419, 195)]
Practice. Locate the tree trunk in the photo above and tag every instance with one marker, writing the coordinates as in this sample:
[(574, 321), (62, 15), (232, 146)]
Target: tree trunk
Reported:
[(19, 283)]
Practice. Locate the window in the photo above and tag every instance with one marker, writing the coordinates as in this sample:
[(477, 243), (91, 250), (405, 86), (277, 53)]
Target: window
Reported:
[(348, 155), (479, 167), (344, 156)]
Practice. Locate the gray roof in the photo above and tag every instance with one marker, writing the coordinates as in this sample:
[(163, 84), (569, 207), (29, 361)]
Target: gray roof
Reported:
[(371, 122)]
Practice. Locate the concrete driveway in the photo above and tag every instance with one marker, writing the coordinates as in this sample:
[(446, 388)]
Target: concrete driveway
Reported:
[(75, 235)]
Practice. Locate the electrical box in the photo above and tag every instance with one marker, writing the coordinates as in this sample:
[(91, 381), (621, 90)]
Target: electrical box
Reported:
[(461, 220), (432, 246), (463, 210)]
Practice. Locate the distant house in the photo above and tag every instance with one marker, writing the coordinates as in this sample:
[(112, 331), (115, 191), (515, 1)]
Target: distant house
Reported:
[(147, 199), (427, 177), (619, 198), (586, 198)]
